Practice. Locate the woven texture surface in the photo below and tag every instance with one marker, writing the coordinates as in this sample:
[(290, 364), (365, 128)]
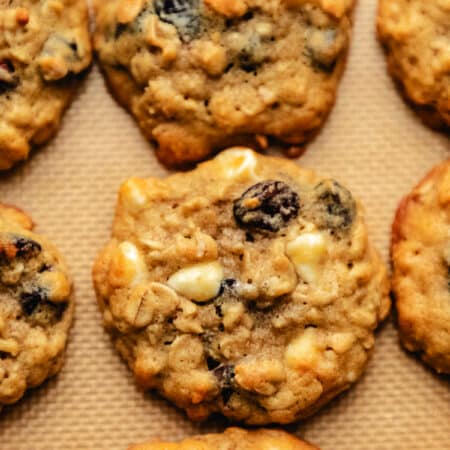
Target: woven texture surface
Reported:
[(372, 142)]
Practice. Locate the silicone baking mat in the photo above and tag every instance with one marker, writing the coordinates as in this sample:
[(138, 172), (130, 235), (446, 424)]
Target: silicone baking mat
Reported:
[(372, 142)]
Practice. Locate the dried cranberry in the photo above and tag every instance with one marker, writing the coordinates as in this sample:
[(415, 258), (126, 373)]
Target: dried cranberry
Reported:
[(333, 206), (224, 374), (212, 363), (182, 14), (225, 377), (29, 301), (268, 205), (27, 248), (8, 78)]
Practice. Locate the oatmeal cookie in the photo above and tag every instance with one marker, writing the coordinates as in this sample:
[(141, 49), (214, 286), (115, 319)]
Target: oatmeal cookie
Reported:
[(233, 439), (415, 34), (421, 263), (246, 286), (35, 306), (44, 46), (200, 75)]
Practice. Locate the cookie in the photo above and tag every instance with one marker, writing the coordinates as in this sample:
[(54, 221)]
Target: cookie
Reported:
[(233, 439), (201, 75), (44, 47), (35, 306), (246, 286), (421, 265), (415, 36)]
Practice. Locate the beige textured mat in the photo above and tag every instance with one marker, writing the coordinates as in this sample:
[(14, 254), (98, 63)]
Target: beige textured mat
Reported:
[(372, 142)]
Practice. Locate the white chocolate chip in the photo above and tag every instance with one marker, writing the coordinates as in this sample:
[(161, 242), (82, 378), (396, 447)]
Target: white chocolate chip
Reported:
[(268, 95), (132, 193), (199, 282), (127, 267), (238, 162), (56, 284), (304, 352), (264, 29), (307, 251)]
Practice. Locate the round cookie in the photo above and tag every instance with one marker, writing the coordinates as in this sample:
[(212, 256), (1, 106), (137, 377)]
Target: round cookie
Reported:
[(415, 36), (35, 306), (233, 439), (246, 286), (201, 75), (421, 265), (44, 46)]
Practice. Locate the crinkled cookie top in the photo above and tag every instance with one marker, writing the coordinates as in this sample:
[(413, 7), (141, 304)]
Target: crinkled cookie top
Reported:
[(35, 306), (416, 34), (43, 46), (201, 74), (246, 286), (421, 263)]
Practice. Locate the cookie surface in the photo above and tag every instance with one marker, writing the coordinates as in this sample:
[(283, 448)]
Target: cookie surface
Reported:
[(421, 263), (246, 286), (233, 439), (44, 46), (415, 36), (35, 306), (200, 75)]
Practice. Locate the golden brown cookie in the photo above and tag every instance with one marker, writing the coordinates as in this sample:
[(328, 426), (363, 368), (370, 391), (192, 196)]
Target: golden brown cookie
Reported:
[(44, 46), (233, 439), (200, 75), (35, 306), (246, 286), (421, 263), (415, 36)]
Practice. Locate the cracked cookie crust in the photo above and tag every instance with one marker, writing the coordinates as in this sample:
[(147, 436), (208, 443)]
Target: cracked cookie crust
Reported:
[(246, 286), (233, 439), (201, 75), (416, 37), (35, 306), (421, 263), (44, 46)]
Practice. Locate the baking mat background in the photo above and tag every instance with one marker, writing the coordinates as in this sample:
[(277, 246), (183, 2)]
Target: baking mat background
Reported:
[(372, 142)]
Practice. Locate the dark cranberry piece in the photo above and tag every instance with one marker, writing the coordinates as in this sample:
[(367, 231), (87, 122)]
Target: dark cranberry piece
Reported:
[(44, 268), (120, 29), (334, 207), (268, 205), (27, 247), (39, 309), (6, 66), (182, 14), (8, 78), (252, 56), (226, 394), (212, 363), (247, 61), (225, 377), (227, 286), (218, 309), (30, 300)]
